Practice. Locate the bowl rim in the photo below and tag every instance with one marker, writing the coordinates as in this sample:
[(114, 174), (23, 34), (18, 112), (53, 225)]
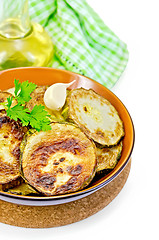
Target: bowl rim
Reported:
[(65, 198)]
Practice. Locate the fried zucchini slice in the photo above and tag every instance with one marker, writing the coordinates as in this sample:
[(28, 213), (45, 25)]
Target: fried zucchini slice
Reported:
[(59, 161), (107, 158), (12, 184), (11, 90), (23, 189), (37, 98), (3, 99), (11, 135), (95, 116)]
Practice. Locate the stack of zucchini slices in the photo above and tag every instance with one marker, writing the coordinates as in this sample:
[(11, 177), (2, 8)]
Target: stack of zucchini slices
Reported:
[(100, 121), (85, 139), (11, 135)]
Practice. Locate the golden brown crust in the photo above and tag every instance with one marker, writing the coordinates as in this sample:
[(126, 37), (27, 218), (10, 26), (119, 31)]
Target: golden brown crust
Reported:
[(107, 158), (12, 184), (60, 161), (95, 116), (11, 134)]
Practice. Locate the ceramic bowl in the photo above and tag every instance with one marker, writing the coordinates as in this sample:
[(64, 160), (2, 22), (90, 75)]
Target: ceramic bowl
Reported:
[(48, 76)]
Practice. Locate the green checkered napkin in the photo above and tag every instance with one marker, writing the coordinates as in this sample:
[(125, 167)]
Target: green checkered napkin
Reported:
[(83, 43)]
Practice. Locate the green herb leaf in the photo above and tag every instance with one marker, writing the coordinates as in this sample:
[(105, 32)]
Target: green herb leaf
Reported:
[(19, 112), (9, 101), (37, 118), (23, 91), (17, 87)]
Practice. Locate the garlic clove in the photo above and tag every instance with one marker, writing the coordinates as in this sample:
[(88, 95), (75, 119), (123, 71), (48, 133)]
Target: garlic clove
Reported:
[(55, 95)]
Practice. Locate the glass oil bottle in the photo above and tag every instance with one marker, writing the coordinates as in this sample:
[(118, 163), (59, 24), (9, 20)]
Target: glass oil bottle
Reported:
[(22, 42)]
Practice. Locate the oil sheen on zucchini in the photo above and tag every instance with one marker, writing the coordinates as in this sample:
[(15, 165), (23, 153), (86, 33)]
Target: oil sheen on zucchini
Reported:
[(58, 161), (11, 134), (107, 158), (95, 116)]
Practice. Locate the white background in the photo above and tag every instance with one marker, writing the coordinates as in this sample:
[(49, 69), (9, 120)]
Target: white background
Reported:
[(133, 214)]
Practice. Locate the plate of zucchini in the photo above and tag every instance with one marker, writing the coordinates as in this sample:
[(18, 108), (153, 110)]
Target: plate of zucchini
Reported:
[(49, 157)]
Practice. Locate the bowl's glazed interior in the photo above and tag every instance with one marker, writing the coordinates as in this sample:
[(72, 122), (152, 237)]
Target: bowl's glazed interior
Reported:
[(48, 76)]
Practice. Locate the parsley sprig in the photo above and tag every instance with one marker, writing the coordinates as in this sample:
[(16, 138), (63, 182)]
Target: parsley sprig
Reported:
[(36, 118)]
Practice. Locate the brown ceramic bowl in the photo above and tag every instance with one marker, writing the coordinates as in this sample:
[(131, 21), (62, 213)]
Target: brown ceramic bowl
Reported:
[(48, 76)]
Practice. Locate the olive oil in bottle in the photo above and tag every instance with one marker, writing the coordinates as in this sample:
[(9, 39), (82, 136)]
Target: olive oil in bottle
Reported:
[(22, 42)]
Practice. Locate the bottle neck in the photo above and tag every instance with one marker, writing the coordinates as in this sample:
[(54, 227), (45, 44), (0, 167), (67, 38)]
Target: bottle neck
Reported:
[(14, 19)]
